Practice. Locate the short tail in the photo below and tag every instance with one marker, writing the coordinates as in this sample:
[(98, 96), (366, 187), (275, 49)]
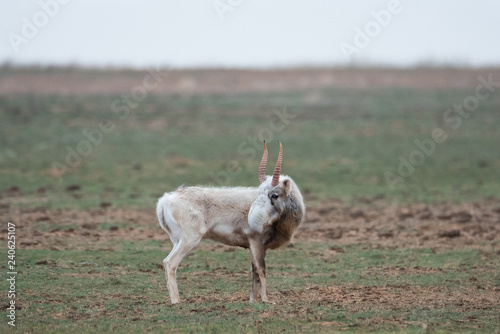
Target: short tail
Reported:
[(166, 218)]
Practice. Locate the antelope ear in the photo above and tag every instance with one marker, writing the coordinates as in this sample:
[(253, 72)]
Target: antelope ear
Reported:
[(286, 186)]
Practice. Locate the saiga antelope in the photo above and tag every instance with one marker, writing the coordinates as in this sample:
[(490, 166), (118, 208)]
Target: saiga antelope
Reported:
[(255, 218)]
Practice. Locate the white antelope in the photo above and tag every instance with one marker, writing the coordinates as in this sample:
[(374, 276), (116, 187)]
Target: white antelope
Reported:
[(256, 218)]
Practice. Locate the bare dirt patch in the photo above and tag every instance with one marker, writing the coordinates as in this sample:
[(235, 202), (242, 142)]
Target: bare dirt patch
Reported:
[(373, 221), (361, 298), (379, 223)]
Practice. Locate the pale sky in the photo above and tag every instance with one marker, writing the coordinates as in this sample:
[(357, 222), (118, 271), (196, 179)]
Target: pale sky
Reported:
[(250, 33)]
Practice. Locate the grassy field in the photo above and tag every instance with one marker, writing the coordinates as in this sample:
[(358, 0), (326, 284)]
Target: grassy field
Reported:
[(121, 289), (80, 176), (337, 144)]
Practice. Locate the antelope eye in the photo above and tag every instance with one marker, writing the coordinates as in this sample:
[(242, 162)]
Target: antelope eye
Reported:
[(274, 196)]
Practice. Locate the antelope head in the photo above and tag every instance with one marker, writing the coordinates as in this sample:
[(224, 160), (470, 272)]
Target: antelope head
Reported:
[(274, 198)]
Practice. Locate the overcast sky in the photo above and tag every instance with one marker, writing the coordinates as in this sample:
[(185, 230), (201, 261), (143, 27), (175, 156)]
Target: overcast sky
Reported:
[(250, 33)]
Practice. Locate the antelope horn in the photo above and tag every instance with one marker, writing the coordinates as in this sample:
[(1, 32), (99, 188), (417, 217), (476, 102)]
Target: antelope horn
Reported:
[(263, 163), (277, 170)]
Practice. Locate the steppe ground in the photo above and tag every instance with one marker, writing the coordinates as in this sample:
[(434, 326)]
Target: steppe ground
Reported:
[(417, 255)]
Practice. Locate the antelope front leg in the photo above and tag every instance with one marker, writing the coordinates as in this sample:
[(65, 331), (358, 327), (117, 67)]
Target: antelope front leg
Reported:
[(258, 270), (255, 283)]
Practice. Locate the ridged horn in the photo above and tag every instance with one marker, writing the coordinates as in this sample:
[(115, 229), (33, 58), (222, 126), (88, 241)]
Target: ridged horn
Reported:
[(263, 163), (277, 170)]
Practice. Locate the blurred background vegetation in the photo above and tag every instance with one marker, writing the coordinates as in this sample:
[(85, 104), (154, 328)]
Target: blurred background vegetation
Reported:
[(337, 143)]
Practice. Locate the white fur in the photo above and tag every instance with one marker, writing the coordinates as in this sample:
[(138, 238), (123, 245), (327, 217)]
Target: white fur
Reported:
[(245, 217)]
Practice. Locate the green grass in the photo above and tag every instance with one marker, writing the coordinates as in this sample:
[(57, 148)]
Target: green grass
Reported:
[(340, 145), (124, 290)]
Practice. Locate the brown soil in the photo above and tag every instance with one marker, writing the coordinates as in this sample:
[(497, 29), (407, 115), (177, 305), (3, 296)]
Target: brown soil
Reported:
[(374, 221), (396, 297), (193, 82)]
